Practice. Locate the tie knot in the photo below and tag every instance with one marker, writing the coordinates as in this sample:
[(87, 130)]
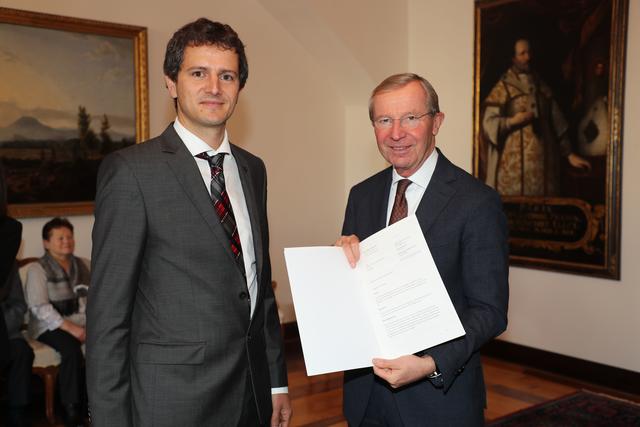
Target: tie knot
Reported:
[(214, 161), (402, 186)]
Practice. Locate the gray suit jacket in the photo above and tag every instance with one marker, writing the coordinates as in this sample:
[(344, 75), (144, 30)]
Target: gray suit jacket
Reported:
[(466, 230), (169, 338)]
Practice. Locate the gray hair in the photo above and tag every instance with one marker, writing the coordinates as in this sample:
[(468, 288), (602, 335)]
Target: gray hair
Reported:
[(398, 81)]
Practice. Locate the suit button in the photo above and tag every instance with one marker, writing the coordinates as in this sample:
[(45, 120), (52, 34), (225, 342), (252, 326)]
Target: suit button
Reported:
[(243, 295), (248, 337)]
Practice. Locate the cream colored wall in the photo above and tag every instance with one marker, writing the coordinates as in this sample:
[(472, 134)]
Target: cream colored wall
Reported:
[(290, 114), (313, 64), (578, 316)]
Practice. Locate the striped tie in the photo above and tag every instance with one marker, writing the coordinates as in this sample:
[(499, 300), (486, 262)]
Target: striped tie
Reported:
[(222, 205)]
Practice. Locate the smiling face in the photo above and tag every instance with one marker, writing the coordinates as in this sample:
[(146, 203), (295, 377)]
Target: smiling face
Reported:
[(61, 243), (405, 148), (206, 89)]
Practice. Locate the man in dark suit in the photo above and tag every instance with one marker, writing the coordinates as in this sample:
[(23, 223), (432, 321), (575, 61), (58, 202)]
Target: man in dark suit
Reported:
[(465, 228), (182, 326)]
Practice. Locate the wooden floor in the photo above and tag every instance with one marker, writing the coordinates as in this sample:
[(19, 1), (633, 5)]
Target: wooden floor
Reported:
[(317, 400)]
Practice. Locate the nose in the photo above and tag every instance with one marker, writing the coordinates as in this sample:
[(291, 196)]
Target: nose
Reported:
[(397, 131), (212, 85)]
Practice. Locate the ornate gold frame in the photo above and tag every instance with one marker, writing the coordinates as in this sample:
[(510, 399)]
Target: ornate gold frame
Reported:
[(600, 222), (139, 37)]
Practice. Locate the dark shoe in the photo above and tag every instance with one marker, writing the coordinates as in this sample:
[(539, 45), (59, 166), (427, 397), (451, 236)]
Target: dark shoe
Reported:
[(73, 416), (17, 416)]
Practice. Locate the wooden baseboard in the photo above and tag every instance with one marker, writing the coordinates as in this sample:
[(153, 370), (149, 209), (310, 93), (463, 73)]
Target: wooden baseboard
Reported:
[(618, 379), (581, 370)]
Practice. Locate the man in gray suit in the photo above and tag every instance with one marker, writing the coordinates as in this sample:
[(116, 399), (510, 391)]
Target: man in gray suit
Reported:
[(465, 228), (182, 326)]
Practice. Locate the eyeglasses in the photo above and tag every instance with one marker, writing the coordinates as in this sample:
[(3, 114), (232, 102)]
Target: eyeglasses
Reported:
[(408, 121)]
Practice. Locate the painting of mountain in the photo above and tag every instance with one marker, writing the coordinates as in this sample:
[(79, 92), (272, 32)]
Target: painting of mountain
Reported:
[(57, 126)]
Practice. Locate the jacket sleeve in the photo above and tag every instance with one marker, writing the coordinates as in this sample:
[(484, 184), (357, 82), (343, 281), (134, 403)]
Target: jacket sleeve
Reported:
[(14, 307), (119, 235), (484, 275)]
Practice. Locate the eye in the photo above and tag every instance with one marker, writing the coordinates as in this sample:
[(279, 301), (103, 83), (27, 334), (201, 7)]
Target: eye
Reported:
[(198, 73), (411, 118), (228, 77), (384, 121)]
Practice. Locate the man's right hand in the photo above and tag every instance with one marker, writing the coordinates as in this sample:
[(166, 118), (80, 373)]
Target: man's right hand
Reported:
[(520, 119), (351, 247)]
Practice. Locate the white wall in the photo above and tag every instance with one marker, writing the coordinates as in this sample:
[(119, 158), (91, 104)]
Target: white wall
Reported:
[(579, 316), (312, 66)]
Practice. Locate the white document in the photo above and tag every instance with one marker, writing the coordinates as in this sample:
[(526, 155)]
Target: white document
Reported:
[(392, 304)]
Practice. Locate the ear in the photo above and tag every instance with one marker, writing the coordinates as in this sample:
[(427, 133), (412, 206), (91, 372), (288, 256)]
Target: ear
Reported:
[(45, 244), (171, 86), (437, 122)]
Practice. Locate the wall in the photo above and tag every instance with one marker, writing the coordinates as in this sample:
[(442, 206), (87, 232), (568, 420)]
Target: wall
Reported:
[(579, 316)]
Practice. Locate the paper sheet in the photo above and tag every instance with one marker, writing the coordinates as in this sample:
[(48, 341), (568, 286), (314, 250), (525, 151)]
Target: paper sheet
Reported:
[(393, 303)]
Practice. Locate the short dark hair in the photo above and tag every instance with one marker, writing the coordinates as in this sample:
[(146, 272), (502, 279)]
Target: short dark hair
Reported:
[(199, 33), (56, 222)]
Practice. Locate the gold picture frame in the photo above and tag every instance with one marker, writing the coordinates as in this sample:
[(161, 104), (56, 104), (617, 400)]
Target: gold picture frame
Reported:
[(87, 95), (547, 133)]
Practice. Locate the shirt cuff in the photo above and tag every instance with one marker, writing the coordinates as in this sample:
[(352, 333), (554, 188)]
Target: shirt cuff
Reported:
[(280, 390)]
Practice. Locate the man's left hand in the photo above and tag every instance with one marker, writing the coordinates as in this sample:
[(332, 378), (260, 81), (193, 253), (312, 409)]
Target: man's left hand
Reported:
[(281, 410), (403, 370)]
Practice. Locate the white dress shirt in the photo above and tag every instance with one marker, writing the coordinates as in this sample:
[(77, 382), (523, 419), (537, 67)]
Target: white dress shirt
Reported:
[(419, 181), (234, 188)]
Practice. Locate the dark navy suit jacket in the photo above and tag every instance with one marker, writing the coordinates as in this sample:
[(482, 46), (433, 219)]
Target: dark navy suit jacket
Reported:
[(466, 230)]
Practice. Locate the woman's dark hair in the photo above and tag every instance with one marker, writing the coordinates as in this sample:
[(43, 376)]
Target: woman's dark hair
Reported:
[(200, 33), (56, 222)]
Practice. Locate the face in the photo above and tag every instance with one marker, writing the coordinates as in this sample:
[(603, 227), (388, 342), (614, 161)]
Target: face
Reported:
[(206, 88), (61, 243), (406, 149), (521, 55)]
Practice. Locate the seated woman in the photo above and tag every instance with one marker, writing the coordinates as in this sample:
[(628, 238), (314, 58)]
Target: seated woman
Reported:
[(56, 295)]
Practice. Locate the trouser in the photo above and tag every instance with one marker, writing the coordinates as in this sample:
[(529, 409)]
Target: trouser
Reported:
[(71, 370), (19, 372)]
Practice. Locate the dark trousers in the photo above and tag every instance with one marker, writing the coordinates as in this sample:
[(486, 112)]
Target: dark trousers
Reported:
[(382, 410), (71, 370), (19, 372)]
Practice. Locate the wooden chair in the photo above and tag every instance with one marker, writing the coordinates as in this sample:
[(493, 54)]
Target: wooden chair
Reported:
[(46, 360)]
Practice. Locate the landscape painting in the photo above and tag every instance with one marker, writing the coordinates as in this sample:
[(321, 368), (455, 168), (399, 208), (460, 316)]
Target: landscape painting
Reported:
[(71, 92)]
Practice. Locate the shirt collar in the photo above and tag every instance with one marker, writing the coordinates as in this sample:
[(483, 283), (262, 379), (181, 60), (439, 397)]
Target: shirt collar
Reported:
[(196, 145), (422, 176)]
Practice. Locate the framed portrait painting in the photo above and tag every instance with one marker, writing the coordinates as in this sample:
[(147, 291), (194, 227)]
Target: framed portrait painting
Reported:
[(548, 100), (71, 91)]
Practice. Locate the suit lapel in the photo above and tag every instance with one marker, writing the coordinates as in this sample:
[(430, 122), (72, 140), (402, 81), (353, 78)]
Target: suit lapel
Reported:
[(184, 167), (438, 193), (250, 198), (380, 200)]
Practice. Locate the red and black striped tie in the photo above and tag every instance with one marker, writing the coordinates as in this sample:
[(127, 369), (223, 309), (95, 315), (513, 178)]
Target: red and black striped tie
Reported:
[(222, 205)]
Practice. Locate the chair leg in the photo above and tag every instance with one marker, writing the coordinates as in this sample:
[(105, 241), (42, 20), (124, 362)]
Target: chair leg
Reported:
[(48, 376)]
